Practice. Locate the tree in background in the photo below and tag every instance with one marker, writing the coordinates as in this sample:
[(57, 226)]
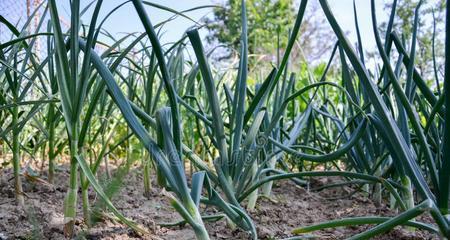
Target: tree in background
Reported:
[(266, 18), (269, 23), (424, 51)]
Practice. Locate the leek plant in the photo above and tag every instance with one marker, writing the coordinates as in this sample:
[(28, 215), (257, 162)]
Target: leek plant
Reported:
[(242, 168), (73, 85), (395, 134), (17, 85)]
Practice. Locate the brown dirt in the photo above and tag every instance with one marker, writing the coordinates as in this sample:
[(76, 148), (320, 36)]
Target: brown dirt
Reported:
[(291, 206)]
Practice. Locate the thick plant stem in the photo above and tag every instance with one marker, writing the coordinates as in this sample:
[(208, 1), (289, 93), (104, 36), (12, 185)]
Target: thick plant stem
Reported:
[(392, 203), (70, 202), (201, 233), (377, 197), (160, 179), (85, 200), (147, 182), (128, 147), (189, 211), (408, 195), (43, 156), (253, 197), (51, 144), (106, 161), (366, 189), (146, 171), (199, 226), (267, 187), (16, 159)]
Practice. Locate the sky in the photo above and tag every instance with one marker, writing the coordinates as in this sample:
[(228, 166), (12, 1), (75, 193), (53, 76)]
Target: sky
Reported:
[(126, 20)]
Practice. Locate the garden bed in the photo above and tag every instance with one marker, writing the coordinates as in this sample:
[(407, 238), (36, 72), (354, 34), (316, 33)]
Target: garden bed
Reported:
[(290, 206)]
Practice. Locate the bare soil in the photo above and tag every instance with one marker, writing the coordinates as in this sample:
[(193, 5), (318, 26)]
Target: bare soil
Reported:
[(291, 206)]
